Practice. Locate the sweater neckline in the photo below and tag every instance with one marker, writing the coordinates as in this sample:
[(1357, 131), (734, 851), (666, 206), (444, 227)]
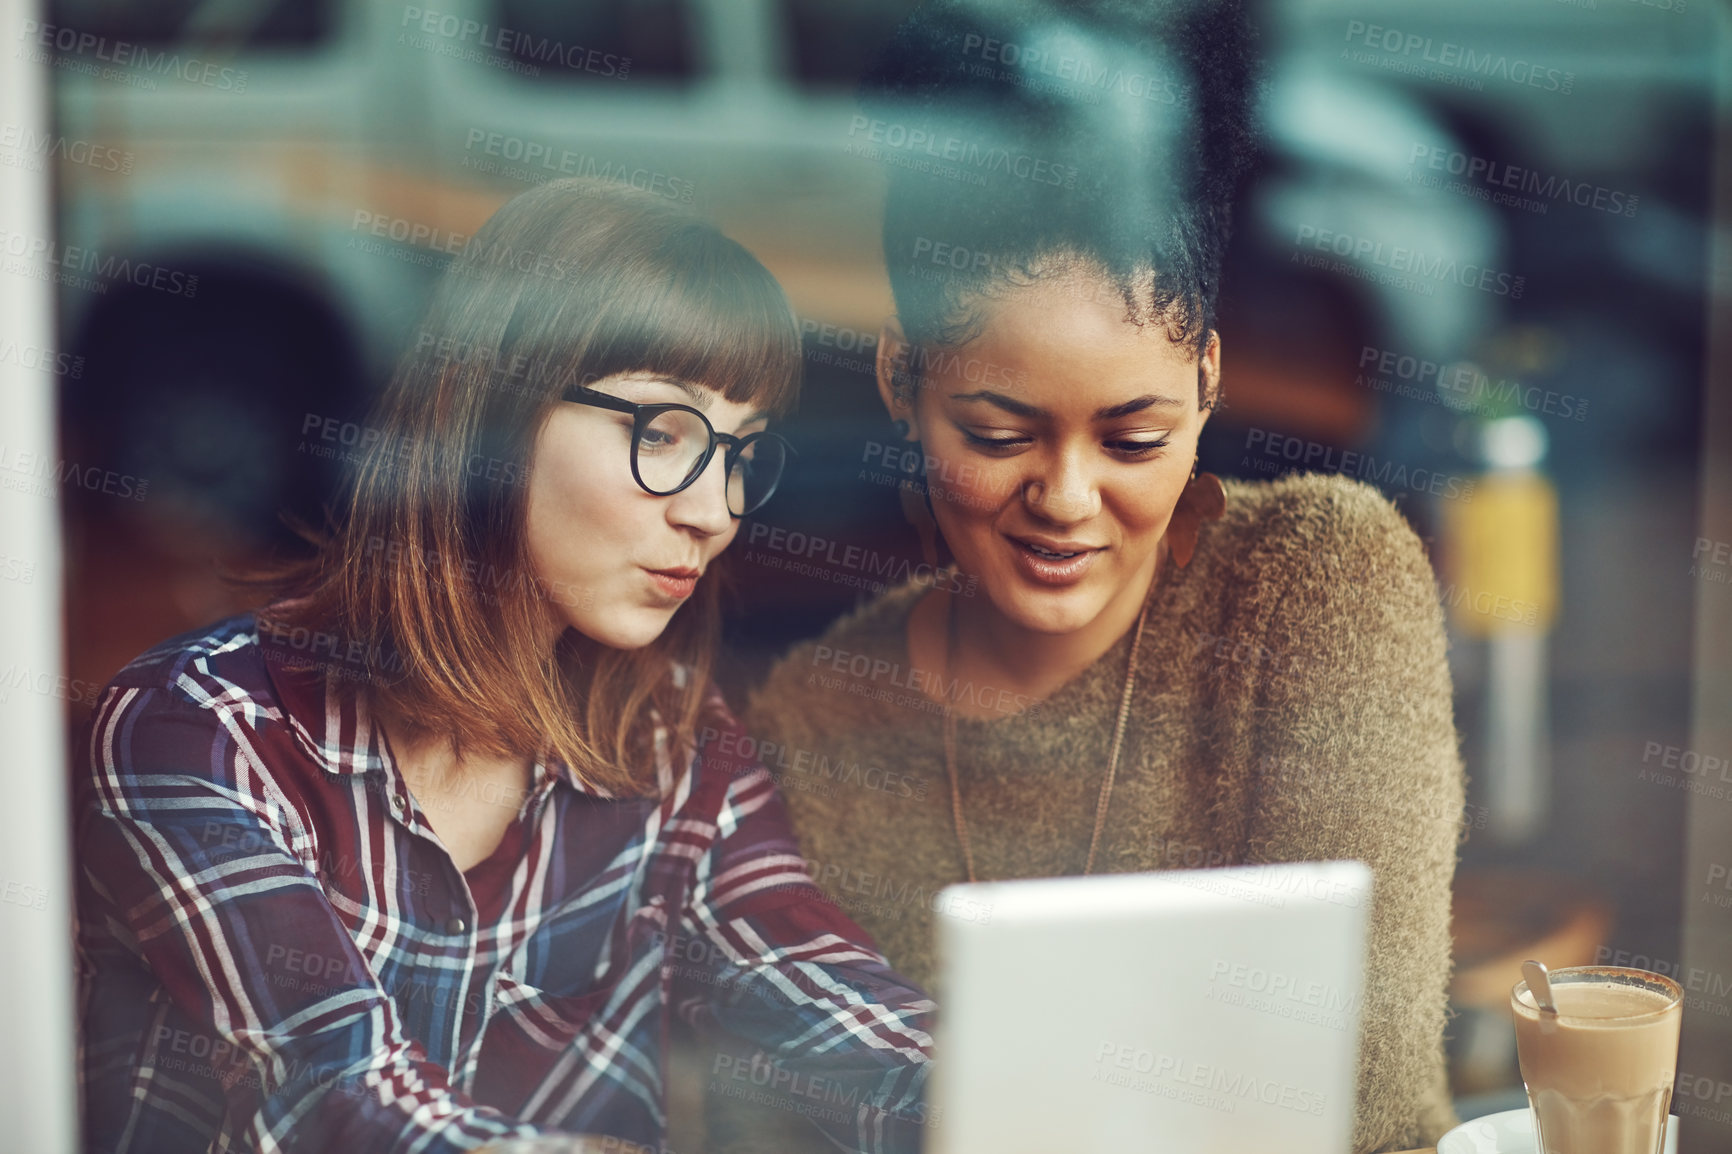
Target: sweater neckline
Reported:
[(1067, 699)]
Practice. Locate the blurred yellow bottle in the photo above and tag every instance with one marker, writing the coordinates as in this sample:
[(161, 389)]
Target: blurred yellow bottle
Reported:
[(1501, 557), (1503, 554)]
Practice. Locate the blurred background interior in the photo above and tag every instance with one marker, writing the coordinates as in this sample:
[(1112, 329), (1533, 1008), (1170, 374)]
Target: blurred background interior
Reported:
[(317, 180)]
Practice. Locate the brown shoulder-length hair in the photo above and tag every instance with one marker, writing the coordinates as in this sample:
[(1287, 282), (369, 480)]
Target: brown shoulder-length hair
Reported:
[(423, 576)]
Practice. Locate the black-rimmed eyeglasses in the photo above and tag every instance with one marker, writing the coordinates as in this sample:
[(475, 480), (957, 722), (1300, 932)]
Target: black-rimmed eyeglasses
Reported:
[(671, 446)]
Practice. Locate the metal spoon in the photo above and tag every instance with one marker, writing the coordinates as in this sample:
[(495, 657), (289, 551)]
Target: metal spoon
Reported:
[(1539, 984)]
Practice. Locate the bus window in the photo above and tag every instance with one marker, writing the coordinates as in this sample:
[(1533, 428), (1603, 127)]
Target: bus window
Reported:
[(833, 42), (273, 24), (599, 40)]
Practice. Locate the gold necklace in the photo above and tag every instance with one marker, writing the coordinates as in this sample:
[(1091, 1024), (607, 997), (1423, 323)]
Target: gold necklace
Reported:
[(1112, 760)]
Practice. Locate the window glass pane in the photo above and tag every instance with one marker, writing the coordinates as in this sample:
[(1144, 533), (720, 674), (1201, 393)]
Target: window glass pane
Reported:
[(598, 40), (833, 41), (267, 24)]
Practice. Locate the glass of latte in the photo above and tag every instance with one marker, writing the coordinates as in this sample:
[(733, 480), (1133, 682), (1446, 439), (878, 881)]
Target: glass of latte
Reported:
[(1599, 1072)]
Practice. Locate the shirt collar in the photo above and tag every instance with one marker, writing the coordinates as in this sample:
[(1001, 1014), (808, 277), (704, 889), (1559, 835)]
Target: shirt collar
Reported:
[(329, 720), (562, 772)]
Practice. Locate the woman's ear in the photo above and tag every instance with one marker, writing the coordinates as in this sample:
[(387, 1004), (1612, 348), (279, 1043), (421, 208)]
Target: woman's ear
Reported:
[(895, 380), (1209, 376)]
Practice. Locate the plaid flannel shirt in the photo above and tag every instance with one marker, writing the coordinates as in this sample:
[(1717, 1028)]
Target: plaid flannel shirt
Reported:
[(276, 952)]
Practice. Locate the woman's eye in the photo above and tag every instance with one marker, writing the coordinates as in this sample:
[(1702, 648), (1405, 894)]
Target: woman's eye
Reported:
[(1136, 448), (1000, 442), (672, 430)]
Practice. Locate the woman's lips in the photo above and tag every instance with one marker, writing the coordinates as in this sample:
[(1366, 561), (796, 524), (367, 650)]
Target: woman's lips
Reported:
[(675, 583), (1050, 570)]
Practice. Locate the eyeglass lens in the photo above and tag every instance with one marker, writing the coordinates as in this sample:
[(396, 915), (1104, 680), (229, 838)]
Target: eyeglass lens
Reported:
[(670, 448)]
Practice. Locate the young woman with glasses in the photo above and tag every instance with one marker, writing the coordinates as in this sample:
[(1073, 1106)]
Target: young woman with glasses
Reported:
[(431, 852)]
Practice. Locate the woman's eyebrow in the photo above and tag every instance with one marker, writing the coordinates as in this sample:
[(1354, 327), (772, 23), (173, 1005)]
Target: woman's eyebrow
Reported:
[(701, 398), (1137, 405), (1110, 412), (1008, 404)]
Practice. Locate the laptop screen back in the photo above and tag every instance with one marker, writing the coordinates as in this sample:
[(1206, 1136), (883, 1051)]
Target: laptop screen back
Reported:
[(1195, 1011)]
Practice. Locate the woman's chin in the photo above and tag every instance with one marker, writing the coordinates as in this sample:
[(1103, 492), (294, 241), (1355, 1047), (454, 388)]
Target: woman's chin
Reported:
[(1046, 610), (627, 629)]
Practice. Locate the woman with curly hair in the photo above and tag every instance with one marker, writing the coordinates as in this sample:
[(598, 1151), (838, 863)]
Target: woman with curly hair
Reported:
[(1131, 667)]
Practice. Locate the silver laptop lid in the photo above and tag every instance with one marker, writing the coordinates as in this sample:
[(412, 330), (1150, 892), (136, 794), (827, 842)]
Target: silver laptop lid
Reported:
[(1193, 1011)]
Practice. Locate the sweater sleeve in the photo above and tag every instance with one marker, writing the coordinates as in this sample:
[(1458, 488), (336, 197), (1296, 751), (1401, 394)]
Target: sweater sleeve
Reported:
[(1356, 757)]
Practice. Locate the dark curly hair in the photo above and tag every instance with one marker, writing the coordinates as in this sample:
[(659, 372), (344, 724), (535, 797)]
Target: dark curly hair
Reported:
[(1025, 137)]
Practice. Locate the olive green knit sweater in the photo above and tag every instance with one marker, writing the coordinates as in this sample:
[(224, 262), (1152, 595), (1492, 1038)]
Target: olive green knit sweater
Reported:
[(1292, 703)]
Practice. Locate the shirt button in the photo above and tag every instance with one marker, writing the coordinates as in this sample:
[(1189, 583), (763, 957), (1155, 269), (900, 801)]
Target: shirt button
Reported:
[(456, 925)]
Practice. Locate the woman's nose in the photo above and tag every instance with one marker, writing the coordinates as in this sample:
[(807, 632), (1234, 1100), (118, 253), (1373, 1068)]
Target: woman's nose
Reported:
[(1064, 492), (703, 505)]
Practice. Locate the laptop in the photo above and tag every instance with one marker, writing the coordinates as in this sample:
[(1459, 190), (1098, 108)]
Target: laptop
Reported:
[(1186, 1012)]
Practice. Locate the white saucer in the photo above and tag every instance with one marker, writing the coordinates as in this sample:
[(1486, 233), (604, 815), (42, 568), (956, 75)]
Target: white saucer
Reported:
[(1511, 1132)]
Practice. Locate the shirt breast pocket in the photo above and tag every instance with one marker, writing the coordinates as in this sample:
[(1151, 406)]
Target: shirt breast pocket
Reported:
[(555, 1016), (587, 945), (532, 1035)]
